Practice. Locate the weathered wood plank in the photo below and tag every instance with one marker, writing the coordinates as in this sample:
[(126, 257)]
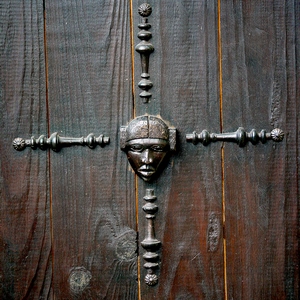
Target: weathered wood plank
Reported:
[(93, 195), (184, 70), (25, 242), (260, 90)]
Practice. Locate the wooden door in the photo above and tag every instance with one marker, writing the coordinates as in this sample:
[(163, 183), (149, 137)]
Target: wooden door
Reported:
[(228, 217)]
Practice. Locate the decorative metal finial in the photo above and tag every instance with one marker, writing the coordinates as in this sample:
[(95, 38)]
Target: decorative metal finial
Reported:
[(150, 243), (145, 10), (19, 144), (145, 48), (56, 142), (150, 278), (277, 135), (241, 137)]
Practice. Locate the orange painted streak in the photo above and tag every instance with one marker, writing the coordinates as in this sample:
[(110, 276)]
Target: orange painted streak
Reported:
[(137, 230), (48, 130), (132, 59), (222, 150), (134, 115)]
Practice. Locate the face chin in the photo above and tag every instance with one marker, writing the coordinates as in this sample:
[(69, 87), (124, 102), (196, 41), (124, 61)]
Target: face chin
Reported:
[(147, 179)]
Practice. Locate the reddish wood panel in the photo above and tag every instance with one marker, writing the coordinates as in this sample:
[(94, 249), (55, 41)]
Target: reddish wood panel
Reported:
[(260, 90), (25, 243), (93, 194), (184, 70)]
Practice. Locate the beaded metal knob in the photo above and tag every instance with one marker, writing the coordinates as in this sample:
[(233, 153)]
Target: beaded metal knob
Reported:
[(56, 142), (151, 244), (241, 137), (145, 48)]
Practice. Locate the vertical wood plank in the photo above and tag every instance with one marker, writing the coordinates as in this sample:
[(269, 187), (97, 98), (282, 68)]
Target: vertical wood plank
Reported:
[(184, 70), (94, 226), (260, 90), (25, 243)]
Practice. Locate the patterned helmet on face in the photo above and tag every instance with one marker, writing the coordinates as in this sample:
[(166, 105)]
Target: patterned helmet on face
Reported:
[(150, 127)]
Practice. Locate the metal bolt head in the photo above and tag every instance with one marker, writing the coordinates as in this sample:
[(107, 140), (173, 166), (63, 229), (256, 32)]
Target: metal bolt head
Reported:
[(19, 144), (277, 135), (151, 279), (145, 10)]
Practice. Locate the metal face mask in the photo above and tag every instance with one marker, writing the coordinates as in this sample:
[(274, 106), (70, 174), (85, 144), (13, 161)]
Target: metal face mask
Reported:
[(147, 140)]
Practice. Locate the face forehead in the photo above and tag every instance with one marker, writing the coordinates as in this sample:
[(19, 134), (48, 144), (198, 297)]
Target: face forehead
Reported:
[(148, 142), (147, 127)]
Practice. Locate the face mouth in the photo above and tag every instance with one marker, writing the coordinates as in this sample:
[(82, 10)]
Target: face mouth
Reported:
[(146, 171)]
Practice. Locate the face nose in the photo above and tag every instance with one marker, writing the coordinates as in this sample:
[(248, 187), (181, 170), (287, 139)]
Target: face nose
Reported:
[(147, 157)]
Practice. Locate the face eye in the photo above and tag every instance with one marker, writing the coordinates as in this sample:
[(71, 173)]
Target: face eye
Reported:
[(157, 148), (136, 148)]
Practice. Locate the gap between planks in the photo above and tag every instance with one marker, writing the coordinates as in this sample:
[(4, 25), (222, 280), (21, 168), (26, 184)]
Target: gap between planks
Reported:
[(48, 132), (134, 115), (222, 149)]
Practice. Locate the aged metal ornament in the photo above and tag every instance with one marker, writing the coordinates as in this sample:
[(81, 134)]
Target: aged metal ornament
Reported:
[(150, 243), (56, 142), (147, 140), (241, 137), (145, 48)]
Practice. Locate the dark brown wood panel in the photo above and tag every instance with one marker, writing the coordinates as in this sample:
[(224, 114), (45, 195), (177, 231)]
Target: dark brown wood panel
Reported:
[(25, 241), (93, 194), (69, 226), (184, 70), (260, 90)]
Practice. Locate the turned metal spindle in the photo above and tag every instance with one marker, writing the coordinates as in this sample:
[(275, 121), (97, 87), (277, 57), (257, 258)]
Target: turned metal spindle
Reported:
[(145, 48), (241, 137), (56, 142), (150, 243)]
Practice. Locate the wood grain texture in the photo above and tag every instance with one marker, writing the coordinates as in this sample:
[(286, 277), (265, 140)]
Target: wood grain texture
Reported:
[(25, 243), (82, 202), (93, 194), (184, 70), (260, 90)]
